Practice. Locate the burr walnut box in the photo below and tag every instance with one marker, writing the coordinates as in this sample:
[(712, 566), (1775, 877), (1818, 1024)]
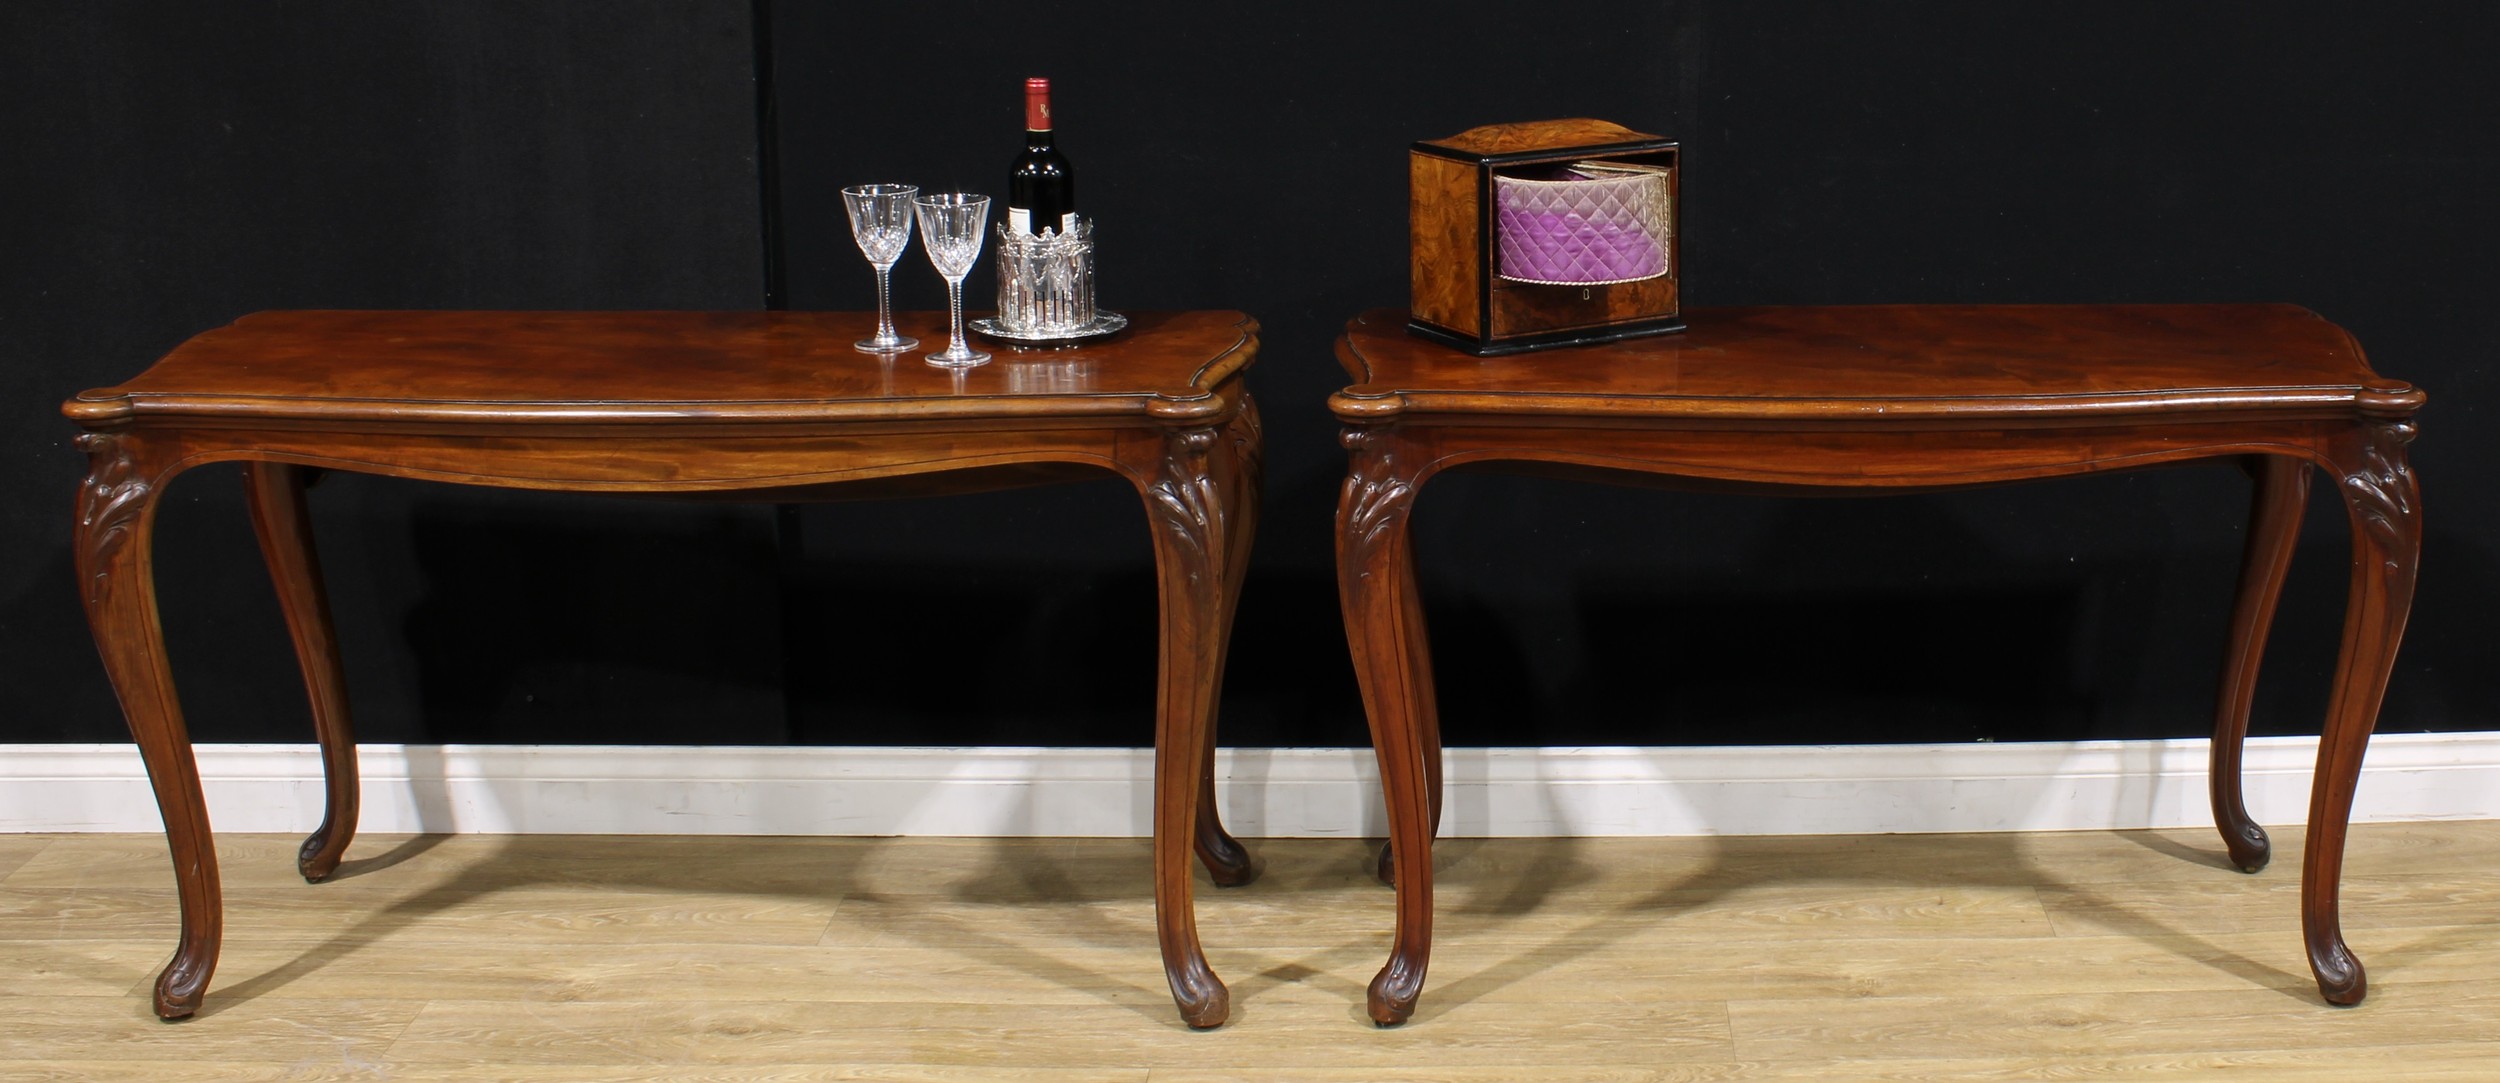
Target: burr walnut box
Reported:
[(1547, 233)]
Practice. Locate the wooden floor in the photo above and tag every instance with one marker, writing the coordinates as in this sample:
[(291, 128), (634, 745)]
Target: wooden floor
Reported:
[(2119, 955)]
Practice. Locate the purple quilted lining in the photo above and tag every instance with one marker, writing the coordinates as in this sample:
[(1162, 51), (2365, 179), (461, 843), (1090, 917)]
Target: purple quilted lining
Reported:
[(1579, 231)]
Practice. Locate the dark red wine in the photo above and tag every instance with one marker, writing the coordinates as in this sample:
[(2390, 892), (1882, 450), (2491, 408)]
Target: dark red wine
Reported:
[(1041, 192)]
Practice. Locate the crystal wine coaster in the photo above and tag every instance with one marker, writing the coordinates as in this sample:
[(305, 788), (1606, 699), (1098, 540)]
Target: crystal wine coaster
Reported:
[(1046, 288)]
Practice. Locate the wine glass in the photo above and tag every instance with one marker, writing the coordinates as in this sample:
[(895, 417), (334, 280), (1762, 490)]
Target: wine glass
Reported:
[(881, 223), (951, 225)]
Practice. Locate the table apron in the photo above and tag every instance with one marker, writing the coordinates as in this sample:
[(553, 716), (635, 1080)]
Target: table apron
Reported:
[(1824, 457), (671, 462)]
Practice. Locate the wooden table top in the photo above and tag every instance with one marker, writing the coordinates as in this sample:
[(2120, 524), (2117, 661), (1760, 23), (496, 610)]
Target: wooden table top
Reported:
[(658, 368), (1885, 361)]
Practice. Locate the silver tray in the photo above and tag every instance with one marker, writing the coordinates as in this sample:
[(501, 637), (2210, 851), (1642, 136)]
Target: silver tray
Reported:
[(1105, 325)]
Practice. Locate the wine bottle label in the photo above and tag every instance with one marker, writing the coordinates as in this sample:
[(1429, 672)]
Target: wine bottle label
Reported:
[(1021, 220)]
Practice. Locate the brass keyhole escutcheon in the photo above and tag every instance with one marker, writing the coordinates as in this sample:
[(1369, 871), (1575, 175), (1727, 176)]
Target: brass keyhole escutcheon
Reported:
[(1584, 293)]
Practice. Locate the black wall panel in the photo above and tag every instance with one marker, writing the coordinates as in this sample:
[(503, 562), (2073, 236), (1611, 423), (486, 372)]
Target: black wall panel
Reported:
[(175, 165)]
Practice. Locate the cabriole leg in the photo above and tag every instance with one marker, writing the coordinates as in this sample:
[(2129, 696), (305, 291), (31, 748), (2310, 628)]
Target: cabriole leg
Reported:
[(2385, 505), (1376, 585), (116, 516), (1186, 506), (2280, 492), (276, 492), (1236, 460)]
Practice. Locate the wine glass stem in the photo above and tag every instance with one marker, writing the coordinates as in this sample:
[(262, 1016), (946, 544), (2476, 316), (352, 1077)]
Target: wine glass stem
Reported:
[(885, 306), (955, 316)]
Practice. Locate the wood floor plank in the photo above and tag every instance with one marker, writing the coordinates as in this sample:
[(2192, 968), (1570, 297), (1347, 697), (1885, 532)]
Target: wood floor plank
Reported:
[(2322, 1064), (585, 917), (192, 1071), (45, 914), (1719, 862), (1559, 1070), (773, 1073), (16, 850), (1254, 915), (562, 972), (1860, 967), (2268, 902), (65, 967), (2192, 855), (2409, 849), (423, 862), (967, 1033), (2105, 1024), (142, 860), (346, 1032), (89, 1071)]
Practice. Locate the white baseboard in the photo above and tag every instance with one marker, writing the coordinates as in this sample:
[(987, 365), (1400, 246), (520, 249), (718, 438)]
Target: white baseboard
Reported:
[(1302, 792)]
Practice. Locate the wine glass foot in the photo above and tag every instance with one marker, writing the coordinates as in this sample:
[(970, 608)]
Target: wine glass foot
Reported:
[(897, 344), (958, 358)]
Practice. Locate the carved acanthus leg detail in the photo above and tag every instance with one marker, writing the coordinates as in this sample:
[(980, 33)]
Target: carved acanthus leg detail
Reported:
[(1376, 585), (112, 506), (2385, 505), (1235, 460), (2281, 491), (116, 514), (1186, 502), (276, 493)]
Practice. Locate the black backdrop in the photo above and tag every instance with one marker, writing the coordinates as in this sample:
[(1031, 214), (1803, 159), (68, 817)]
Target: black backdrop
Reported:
[(174, 165)]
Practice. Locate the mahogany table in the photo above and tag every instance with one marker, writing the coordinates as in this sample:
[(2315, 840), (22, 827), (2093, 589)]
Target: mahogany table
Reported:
[(1901, 399), (764, 406)]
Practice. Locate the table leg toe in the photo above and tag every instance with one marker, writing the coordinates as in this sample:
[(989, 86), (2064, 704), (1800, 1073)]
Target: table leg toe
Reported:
[(1391, 998), (2251, 851), (185, 980), (2341, 980), (317, 858), (1204, 1002), (1229, 863)]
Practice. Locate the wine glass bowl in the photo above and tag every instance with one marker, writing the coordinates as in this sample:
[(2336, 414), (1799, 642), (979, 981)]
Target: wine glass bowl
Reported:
[(881, 218), (882, 243), (952, 227)]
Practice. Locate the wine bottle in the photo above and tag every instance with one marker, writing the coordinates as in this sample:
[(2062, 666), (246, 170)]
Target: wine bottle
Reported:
[(1041, 192)]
